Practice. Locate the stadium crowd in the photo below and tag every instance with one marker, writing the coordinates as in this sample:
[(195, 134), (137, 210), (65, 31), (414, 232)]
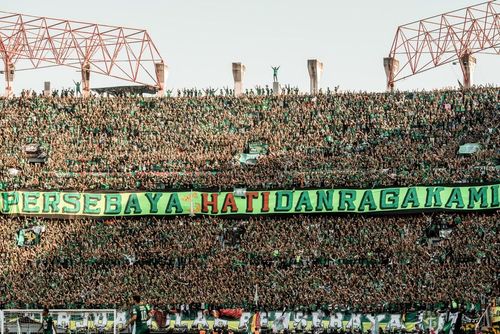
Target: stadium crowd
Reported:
[(341, 139), (195, 141), (370, 264)]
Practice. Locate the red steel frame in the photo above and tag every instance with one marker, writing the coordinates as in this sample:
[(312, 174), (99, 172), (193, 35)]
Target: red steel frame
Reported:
[(441, 39), (119, 52)]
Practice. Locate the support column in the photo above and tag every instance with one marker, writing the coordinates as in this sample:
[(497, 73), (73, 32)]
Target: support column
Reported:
[(276, 88), (315, 68), (46, 88), (86, 80), (238, 75), (468, 64), (391, 67), (161, 72), (9, 71)]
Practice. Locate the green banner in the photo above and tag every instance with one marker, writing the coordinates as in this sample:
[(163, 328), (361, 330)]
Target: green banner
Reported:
[(421, 198)]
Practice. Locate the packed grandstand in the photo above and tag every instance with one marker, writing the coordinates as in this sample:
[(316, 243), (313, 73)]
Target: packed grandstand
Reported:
[(70, 240)]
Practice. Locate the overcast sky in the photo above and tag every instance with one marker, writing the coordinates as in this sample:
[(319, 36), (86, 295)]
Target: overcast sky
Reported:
[(199, 39)]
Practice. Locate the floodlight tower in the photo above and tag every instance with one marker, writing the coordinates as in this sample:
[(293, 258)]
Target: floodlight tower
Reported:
[(453, 37), (124, 53)]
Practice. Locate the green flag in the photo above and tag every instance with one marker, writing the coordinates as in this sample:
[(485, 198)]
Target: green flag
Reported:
[(258, 148), (447, 327), (248, 159), (469, 148), (29, 236)]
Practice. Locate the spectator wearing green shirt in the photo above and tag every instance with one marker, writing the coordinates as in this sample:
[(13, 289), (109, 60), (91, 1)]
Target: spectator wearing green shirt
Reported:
[(48, 324)]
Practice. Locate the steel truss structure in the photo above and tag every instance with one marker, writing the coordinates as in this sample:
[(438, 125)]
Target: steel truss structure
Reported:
[(119, 52), (450, 37)]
